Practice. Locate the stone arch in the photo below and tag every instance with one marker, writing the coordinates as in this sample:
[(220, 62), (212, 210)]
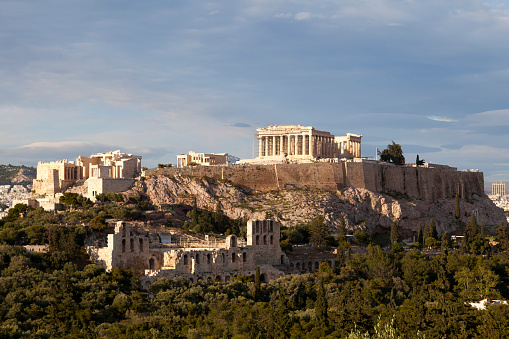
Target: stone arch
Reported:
[(191, 280), (233, 257), (272, 240), (123, 245), (186, 260), (131, 244), (227, 278), (208, 258), (265, 240), (263, 278), (197, 258), (233, 241), (141, 245), (258, 240), (298, 266), (264, 228), (151, 264), (244, 257)]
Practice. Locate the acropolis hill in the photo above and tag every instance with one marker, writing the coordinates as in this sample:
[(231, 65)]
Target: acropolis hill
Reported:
[(370, 195), (427, 184)]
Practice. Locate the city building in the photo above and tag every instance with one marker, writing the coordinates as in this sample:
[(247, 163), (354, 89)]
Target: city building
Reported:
[(202, 159)]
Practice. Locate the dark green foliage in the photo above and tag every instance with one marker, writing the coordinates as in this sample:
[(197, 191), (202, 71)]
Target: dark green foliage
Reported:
[(457, 206), (75, 200), (205, 221), (419, 162), (394, 154), (319, 231), (420, 235), (403, 294), (394, 233), (361, 237)]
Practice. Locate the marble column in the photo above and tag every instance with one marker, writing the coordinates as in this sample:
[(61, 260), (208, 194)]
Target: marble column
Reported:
[(266, 140)]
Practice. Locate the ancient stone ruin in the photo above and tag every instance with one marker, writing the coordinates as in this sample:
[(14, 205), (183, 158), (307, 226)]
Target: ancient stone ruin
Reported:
[(194, 259)]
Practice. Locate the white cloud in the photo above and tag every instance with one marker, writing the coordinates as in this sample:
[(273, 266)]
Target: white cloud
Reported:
[(488, 119), (302, 16), (442, 119)]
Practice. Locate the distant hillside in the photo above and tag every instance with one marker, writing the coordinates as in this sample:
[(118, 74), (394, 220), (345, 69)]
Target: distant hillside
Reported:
[(17, 175)]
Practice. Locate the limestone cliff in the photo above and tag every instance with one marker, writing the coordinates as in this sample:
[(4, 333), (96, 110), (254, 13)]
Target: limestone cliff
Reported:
[(364, 209)]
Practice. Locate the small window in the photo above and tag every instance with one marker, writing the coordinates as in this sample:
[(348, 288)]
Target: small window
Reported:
[(265, 240), (185, 259), (131, 243), (141, 245), (123, 245), (233, 257), (208, 258), (258, 240), (197, 259), (271, 240), (244, 257)]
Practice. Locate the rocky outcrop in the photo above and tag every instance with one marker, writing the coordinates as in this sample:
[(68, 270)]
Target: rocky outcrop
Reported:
[(363, 209)]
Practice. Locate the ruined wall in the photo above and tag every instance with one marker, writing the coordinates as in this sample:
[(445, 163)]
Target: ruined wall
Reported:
[(427, 184), (101, 185)]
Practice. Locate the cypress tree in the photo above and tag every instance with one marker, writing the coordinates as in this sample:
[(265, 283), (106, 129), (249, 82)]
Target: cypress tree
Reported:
[(427, 231), (321, 307), (420, 235), (394, 233), (433, 227), (457, 206), (342, 227)]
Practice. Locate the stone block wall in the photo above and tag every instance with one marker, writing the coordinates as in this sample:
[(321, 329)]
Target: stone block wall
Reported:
[(427, 184)]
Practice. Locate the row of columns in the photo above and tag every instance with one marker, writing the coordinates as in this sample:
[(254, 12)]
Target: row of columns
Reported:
[(313, 145), (350, 149)]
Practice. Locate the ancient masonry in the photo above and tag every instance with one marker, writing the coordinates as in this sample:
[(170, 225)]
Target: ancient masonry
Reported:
[(132, 248), (429, 183), (203, 159), (301, 143), (103, 172)]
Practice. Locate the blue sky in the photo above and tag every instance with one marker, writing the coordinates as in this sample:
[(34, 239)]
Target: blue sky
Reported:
[(160, 78)]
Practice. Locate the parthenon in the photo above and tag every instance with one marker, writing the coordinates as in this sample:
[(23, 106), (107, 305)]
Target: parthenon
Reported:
[(305, 142)]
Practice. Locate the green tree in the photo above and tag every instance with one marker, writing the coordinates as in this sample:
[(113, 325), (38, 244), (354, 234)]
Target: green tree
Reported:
[(319, 231), (394, 233), (502, 237), (420, 235), (342, 228), (321, 308), (418, 162), (470, 232), (457, 206), (393, 153)]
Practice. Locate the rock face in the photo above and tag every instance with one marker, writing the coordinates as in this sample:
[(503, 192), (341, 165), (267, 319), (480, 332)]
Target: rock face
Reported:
[(363, 209)]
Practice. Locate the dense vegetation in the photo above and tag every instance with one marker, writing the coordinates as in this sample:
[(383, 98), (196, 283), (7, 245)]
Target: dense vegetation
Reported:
[(391, 294), (409, 295)]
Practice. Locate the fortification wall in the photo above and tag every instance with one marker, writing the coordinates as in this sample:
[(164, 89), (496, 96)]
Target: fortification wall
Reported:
[(427, 184)]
